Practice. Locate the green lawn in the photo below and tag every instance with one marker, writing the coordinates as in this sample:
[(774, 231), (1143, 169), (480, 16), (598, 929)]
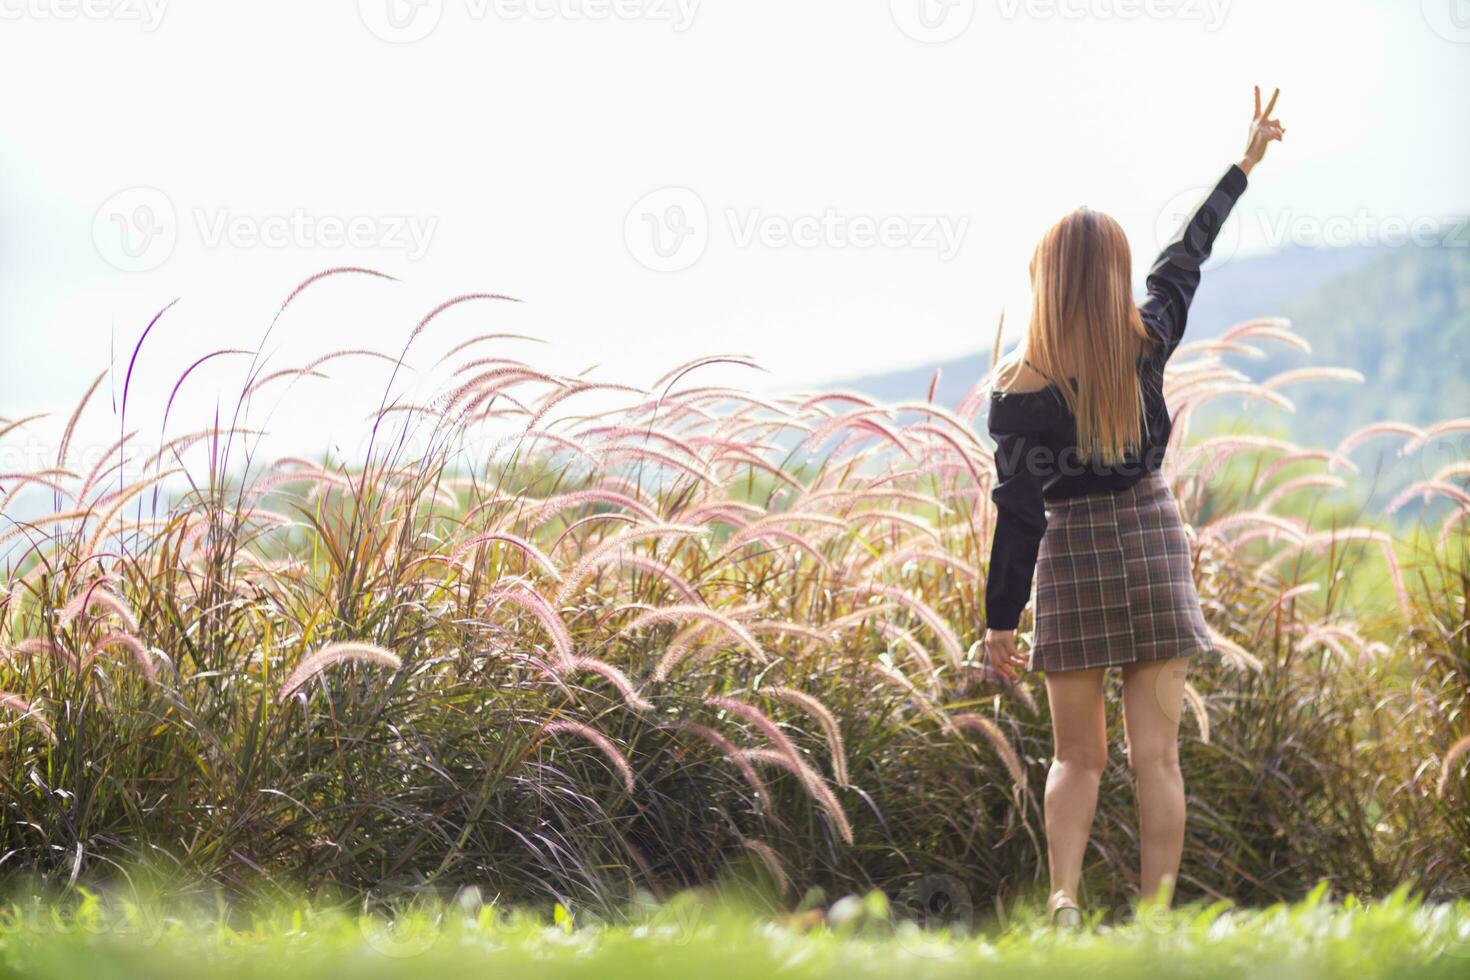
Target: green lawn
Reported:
[(694, 940)]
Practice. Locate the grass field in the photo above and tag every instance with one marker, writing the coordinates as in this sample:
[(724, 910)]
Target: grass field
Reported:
[(1397, 936), (571, 641)]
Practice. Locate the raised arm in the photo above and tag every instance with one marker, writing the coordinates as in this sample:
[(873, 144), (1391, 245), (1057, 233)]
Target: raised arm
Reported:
[(1175, 275)]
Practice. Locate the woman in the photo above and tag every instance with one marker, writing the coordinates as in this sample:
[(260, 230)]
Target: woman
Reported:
[(1080, 427)]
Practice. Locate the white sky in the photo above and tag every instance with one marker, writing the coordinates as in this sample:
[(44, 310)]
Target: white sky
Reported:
[(524, 142)]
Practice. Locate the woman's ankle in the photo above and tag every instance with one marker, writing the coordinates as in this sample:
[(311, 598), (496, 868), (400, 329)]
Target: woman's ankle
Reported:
[(1060, 897), (1162, 893)]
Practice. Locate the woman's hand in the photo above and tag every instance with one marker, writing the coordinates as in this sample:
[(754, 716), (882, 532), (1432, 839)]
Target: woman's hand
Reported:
[(1264, 129), (1002, 656)]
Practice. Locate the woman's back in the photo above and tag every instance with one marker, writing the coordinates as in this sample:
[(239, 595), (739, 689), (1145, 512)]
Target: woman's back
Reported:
[(1031, 422), (1037, 458)]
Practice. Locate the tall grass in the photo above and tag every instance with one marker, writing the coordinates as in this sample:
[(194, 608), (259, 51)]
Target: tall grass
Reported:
[(699, 627)]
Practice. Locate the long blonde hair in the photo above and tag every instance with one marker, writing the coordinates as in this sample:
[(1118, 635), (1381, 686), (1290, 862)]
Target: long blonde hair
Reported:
[(1081, 283)]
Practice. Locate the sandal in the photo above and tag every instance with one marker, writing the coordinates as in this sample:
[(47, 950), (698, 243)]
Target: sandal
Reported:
[(1063, 913)]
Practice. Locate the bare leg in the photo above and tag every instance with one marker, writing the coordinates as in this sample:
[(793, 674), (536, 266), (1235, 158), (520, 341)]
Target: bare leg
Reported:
[(1080, 736), (1153, 696)]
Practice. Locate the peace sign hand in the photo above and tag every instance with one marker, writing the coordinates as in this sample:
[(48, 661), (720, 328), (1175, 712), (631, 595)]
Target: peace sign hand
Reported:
[(1263, 130)]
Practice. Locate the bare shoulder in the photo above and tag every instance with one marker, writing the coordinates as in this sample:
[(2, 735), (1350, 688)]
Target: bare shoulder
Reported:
[(1015, 377)]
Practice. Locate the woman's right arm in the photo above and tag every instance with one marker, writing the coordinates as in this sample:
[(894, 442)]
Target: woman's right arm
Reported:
[(1020, 522), (1175, 275)]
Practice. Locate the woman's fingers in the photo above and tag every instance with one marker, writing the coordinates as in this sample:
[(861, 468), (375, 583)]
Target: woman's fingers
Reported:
[(1005, 658), (1002, 656), (1272, 104), (1258, 102)]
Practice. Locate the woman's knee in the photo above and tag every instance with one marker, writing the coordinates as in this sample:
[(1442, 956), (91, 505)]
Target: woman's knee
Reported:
[(1084, 758), (1161, 758)]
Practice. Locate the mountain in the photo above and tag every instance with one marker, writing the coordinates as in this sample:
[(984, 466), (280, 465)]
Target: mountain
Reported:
[(1401, 316), (1403, 321)]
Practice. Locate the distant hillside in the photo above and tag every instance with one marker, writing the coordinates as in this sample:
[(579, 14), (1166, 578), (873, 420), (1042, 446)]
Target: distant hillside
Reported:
[(1404, 322), (1401, 316)]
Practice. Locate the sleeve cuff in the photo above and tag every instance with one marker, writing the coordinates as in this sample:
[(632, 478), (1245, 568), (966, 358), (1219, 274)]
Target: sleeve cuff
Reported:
[(1001, 623), (1234, 181)]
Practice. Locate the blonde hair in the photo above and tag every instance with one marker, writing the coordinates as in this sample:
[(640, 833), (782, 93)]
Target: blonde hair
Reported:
[(1081, 283)]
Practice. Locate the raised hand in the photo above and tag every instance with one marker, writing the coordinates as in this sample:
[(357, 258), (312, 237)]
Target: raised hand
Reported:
[(1263, 130)]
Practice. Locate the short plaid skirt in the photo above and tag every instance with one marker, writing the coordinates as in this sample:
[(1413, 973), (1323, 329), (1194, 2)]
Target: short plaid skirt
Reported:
[(1115, 582)]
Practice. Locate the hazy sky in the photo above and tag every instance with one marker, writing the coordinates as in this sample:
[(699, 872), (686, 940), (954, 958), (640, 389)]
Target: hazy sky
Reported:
[(832, 186)]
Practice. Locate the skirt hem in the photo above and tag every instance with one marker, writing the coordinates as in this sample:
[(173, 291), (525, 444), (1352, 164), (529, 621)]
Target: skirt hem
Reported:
[(1208, 652)]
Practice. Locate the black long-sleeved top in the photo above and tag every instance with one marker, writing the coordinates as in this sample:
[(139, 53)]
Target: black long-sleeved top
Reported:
[(1036, 457)]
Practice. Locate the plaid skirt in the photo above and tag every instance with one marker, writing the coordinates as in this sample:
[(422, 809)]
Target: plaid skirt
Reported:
[(1115, 582)]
